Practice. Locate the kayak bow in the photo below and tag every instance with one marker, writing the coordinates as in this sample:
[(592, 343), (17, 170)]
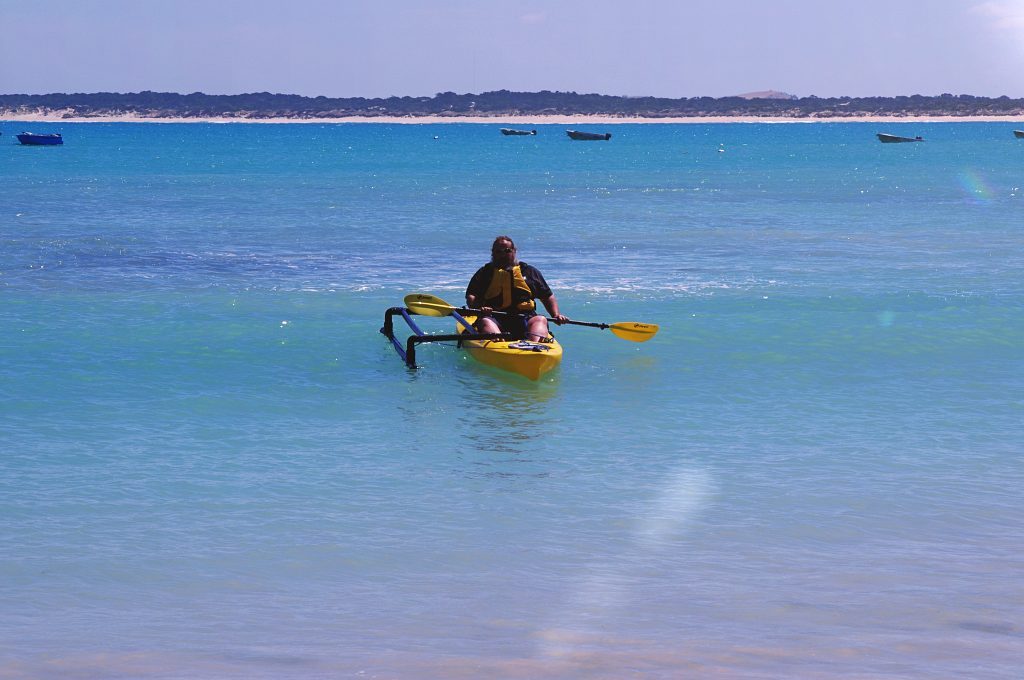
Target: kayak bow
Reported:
[(528, 359)]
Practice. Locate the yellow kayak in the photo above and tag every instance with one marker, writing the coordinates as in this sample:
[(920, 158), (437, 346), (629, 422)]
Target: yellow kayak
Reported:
[(528, 359)]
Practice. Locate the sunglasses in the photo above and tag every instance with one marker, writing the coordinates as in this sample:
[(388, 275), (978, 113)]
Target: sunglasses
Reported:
[(503, 250)]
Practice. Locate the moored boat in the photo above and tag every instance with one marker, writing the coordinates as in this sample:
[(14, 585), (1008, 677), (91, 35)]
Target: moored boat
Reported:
[(32, 139), (588, 136), (1019, 134), (528, 359), (894, 139), (510, 132)]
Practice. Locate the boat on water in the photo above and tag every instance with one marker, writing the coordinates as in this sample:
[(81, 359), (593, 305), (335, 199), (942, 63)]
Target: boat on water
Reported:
[(588, 136), (895, 139), (510, 132), (1019, 134), (528, 359), (32, 139)]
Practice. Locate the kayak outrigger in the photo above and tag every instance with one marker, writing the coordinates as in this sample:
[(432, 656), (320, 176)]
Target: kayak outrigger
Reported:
[(529, 359)]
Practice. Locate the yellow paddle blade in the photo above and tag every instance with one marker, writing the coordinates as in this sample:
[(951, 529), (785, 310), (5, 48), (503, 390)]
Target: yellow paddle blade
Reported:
[(636, 332), (427, 305)]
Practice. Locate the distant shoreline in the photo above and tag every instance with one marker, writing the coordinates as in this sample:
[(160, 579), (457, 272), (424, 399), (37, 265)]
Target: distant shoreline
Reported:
[(503, 107), (62, 117)]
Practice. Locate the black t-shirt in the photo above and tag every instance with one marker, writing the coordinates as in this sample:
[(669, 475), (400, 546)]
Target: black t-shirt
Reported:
[(534, 279)]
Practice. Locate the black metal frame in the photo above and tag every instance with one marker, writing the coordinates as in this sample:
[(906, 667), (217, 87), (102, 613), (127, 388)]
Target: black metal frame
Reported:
[(408, 352)]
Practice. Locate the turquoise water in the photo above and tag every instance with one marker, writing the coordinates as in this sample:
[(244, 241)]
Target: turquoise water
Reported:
[(213, 465)]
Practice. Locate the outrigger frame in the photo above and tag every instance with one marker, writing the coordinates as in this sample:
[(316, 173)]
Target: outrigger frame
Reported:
[(408, 352)]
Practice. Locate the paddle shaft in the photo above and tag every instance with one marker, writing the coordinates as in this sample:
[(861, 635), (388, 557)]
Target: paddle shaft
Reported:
[(478, 312), (431, 305)]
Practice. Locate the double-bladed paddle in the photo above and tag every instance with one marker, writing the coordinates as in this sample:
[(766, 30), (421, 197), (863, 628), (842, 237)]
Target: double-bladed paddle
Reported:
[(430, 305)]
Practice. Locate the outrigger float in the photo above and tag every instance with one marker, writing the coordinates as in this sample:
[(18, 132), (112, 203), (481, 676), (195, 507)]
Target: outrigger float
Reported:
[(528, 359)]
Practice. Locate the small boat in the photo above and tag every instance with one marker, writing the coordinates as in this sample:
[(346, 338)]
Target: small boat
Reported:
[(1019, 134), (894, 139), (588, 136), (528, 359), (510, 132), (32, 139)]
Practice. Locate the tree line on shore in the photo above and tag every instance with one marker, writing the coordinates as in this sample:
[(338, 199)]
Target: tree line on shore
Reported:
[(499, 103)]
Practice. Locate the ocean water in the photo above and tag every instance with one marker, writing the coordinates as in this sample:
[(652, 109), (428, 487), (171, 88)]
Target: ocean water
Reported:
[(212, 465)]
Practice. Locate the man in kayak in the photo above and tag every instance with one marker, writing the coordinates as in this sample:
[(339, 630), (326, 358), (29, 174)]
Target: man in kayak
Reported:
[(507, 285)]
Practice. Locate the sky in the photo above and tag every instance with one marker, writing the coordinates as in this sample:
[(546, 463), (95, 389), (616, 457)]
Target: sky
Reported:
[(382, 48)]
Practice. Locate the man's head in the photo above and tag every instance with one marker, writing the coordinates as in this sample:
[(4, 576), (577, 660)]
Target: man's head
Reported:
[(503, 251)]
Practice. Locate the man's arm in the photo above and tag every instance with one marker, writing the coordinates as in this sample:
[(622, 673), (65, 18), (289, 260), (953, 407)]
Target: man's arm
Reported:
[(474, 292), (551, 304)]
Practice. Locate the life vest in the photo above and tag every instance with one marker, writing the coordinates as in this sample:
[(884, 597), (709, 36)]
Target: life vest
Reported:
[(508, 291)]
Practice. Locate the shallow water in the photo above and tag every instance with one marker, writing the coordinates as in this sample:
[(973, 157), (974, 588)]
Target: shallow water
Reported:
[(215, 466)]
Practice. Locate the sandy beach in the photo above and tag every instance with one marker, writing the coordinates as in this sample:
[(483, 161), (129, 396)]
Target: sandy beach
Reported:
[(61, 117)]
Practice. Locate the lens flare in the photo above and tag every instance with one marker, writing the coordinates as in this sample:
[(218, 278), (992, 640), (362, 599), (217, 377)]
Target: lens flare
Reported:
[(976, 187)]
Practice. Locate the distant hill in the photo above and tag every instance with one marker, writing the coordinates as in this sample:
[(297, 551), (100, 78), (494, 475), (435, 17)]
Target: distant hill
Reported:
[(767, 94), (501, 103)]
